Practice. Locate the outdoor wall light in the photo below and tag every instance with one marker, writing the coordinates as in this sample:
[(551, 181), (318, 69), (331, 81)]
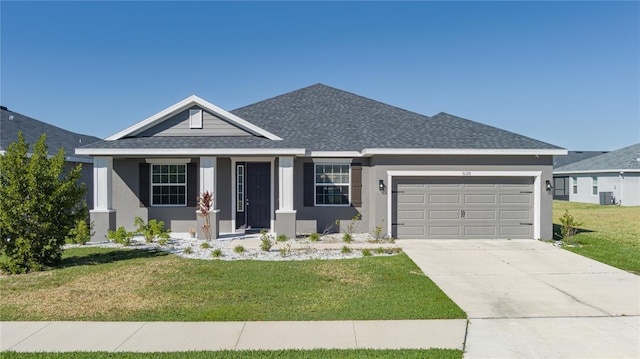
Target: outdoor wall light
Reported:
[(381, 185), (549, 186)]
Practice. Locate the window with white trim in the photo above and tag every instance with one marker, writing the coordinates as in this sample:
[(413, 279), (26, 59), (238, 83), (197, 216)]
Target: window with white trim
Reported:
[(575, 184), (594, 185), (332, 184), (169, 184)]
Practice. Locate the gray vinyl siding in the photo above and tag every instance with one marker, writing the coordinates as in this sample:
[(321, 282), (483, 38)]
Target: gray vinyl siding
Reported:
[(325, 217), (178, 125), (125, 183)]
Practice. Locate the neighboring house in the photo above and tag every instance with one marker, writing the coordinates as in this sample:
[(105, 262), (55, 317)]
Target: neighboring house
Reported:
[(298, 162), (610, 178), (12, 122), (561, 183)]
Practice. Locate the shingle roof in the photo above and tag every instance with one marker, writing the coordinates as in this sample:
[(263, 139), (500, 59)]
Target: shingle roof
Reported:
[(12, 122), (623, 159), (574, 156), (322, 118)]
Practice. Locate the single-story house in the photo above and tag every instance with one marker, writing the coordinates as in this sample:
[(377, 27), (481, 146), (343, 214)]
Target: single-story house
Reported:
[(12, 122), (609, 178), (297, 162), (561, 183)]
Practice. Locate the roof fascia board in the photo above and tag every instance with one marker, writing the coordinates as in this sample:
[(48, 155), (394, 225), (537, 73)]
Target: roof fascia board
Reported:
[(334, 154), (623, 170), (462, 151), (188, 151), (183, 105)]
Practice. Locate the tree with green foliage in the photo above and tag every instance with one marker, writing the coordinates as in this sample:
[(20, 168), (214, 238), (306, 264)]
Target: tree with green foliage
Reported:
[(40, 203)]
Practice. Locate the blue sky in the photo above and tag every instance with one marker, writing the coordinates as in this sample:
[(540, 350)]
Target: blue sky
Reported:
[(567, 73)]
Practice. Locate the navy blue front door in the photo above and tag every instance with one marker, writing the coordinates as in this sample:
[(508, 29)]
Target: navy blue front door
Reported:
[(258, 196)]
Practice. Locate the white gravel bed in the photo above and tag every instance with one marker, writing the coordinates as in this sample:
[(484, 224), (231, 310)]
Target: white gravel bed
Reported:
[(178, 243)]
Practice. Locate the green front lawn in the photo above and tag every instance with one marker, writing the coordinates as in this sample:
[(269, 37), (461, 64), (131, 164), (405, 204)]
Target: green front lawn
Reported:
[(137, 285), (280, 354), (609, 234)]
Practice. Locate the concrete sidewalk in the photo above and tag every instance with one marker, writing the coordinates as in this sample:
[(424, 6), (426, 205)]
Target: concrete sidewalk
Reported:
[(186, 336)]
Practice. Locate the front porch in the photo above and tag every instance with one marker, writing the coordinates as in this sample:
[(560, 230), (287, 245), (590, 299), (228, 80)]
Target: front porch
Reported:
[(249, 193)]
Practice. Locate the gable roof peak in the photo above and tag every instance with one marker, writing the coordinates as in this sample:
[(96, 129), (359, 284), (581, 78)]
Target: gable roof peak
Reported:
[(185, 104)]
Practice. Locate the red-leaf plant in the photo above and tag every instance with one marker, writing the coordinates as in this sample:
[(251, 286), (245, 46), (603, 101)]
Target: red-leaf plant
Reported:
[(205, 201)]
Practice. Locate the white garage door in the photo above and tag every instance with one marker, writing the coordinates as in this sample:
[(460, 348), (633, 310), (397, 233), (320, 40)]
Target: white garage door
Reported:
[(463, 208)]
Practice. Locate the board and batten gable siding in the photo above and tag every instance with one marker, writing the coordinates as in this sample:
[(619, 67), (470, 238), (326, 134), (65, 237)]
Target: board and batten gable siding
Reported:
[(178, 125)]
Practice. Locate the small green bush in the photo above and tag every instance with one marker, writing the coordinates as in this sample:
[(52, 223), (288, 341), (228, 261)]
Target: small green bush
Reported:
[(366, 253), (345, 250), (282, 238), (205, 245), (568, 225), (81, 233), (380, 250), (285, 249), (152, 230), (347, 238), (265, 241), (239, 249), (216, 253), (187, 250), (121, 236), (163, 241), (314, 237)]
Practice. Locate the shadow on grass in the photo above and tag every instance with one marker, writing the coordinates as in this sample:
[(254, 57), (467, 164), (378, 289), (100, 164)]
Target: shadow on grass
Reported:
[(558, 228), (115, 255)]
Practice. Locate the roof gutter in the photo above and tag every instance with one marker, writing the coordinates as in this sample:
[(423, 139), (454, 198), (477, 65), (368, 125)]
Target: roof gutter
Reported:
[(190, 151), (463, 151)]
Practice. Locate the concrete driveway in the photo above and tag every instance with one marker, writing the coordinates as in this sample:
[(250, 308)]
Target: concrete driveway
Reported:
[(529, 299)]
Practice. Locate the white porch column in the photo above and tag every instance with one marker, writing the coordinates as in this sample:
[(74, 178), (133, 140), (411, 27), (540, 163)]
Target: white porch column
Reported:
[(285, 181), (208, 176), (103, 216), (285, 215), (102, 192)]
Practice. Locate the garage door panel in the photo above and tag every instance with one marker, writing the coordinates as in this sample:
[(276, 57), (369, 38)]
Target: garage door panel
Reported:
[(406, 231), (444, 231), (524, 198), (463, 207), (523, 231), (436, 215), (480, 198), (409, 215), (480, 231), (513, 214), (445, 198), (414, 198), (471, 214)]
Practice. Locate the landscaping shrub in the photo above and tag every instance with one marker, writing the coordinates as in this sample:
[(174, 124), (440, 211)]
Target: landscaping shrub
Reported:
[(265, 241), (314, 237), (282, 238), (568, 225), (216, 253), (40, 203), (121, 236), (239, 249), (152, 230), (81, 233)]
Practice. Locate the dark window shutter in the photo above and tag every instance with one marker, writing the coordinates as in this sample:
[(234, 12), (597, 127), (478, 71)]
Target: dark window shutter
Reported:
[(144, 184), (192, 185), (309, 184), (356, 185)]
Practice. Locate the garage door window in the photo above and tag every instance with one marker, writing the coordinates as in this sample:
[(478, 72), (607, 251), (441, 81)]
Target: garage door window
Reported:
[(332, 184)]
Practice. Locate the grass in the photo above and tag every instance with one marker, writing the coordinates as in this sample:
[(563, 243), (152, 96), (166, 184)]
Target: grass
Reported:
[(106, 284), (609, 234), (284, 354)]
